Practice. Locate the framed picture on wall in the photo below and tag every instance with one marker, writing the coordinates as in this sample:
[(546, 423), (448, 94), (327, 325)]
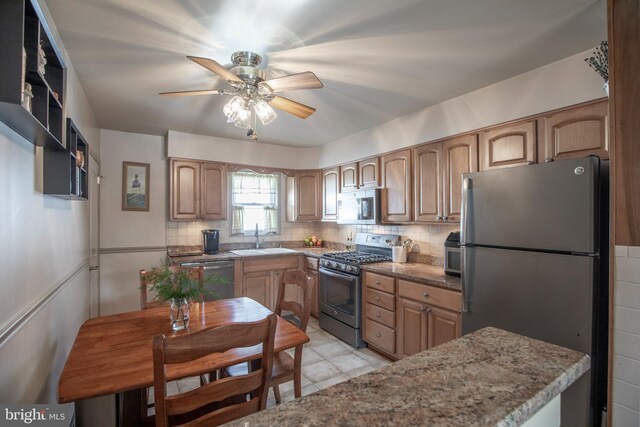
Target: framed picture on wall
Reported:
[(135, 186)]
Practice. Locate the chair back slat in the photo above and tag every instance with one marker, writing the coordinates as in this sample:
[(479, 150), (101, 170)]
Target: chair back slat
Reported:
[(213, 392), (176, 350), (224, 415)]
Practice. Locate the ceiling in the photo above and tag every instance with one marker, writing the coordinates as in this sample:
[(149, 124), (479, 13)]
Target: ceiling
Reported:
[(378, 59)]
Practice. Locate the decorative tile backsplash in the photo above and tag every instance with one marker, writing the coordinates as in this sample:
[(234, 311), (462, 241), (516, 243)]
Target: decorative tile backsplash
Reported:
[(428, 239)]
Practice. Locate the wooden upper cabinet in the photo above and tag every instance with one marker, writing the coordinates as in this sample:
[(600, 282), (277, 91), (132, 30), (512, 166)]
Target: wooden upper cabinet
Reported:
[(349, 177), (198, 190), (213, 197), (308, 204), (459, 155), (576, 132), (507, 146), (396, 184), (369, 173), (185, 189), (427, 182), (330, 189)]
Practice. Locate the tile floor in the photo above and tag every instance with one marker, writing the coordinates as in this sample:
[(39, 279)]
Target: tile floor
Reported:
[(326, 361)]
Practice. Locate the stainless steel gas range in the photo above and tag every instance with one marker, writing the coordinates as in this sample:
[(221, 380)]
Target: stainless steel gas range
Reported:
[(341, 285)]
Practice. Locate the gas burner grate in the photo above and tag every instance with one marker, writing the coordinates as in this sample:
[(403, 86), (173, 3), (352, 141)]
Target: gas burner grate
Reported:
[(357, 257)]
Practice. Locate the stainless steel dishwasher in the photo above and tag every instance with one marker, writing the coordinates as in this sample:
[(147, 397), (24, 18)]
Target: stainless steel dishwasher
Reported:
[(223, 269)]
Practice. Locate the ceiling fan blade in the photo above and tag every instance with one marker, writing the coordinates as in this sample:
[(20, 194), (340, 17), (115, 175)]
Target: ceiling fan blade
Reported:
[(306, 80), (292, 107), (215, 67), (195, 92)]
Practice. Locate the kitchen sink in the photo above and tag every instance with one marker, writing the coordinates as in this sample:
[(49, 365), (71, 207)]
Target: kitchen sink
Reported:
[(263, 251)]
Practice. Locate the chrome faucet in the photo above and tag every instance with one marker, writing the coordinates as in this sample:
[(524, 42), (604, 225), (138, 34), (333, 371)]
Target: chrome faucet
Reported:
[(257, 237)]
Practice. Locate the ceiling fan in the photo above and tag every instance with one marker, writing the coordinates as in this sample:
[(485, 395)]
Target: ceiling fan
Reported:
[(253, 96)]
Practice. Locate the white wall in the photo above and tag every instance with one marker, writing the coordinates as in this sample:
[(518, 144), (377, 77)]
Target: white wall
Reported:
[(120, 228), (44, 240), (626, 359), (559, 84), (240, 151)]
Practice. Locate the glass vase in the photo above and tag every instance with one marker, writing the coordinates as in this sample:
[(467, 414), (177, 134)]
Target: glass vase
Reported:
[(179, 314)]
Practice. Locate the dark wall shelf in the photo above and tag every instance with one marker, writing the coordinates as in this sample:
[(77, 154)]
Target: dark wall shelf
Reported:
[(21, 27), (64, 175)]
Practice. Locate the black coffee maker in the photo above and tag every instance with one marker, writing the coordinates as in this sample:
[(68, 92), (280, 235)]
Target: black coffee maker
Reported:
[(210, 241)]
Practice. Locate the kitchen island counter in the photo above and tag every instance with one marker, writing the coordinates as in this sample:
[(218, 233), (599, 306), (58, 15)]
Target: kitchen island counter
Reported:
[(488, 378)]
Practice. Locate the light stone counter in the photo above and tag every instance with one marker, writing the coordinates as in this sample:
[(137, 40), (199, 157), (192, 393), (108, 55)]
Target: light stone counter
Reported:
[(488, 378)]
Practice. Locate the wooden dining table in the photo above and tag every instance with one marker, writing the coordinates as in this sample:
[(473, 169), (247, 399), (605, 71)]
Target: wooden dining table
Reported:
[(113, 354)]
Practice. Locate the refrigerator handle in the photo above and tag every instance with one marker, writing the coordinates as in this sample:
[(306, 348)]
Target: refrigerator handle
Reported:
[(464, 280), (466, 190)]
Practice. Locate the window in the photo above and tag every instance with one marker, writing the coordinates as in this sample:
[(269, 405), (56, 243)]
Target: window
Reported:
[(254, 200)]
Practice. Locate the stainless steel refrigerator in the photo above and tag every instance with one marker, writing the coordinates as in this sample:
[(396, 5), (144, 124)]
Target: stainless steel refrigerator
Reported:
[(534, 250)]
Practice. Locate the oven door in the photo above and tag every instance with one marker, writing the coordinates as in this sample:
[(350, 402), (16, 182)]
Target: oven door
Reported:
[(340, 296)]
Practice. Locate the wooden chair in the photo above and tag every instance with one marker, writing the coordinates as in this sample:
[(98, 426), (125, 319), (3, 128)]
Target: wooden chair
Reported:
[(145, 304), (285, 367), (200, 404), (196, 274)]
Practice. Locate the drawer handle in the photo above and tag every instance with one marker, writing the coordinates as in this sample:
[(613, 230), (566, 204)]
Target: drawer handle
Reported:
[(426, 295), (426, 309), (378, 282), (377, 298), (378, 335), (377, 314)]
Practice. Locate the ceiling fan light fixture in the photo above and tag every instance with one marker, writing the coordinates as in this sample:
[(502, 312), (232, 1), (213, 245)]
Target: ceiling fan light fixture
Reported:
[(243, 119), (263, 110), (232, 107)]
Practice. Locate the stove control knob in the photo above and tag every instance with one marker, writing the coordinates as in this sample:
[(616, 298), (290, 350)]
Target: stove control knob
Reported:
[(349, 268), (334, 264)]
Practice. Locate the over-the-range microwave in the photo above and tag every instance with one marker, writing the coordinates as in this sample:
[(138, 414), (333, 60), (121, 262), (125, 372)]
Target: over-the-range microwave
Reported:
[(359, 207)]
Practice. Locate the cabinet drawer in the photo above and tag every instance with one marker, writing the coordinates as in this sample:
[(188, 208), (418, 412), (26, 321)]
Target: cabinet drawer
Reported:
[(430, 294), (381, 299), (380, 336), (310, 263), (268, 263), (379, 314), (379, 282)]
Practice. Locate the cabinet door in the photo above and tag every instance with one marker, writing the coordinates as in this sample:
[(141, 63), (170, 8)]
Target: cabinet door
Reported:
[(314, 292), (396, 183), (459, 155), (184, 183), (213, 201), (444, 325), (412, 327), (369, 173), (349, 177), (330, 189), (578, 132), (507, 146), (257, 286), (309, 195), (427, 169)]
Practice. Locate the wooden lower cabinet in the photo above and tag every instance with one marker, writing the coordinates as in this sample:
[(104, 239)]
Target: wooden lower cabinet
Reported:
[(311, 268), (378, 316), (401, 318), (261, 278), (412, 327), (443, 325)]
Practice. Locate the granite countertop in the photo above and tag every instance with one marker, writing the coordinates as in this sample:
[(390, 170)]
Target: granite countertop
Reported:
[(416, 272), (488, 378)]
